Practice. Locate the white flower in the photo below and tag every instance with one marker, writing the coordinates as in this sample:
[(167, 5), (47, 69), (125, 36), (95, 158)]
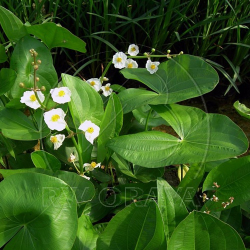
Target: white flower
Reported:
[(95, 83), (91, 130), (106, 90), (133, 49), (61, 95), (119, 60), (91, 166), (152, 67), (57, 140), (131, 64), (55, 119), (30, 100)]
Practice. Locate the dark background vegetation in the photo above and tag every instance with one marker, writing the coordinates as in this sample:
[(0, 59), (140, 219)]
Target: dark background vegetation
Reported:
[(213, 29)]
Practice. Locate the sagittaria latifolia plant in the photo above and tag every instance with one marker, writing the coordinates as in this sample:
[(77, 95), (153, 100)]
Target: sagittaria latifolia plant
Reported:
[(82, 163)]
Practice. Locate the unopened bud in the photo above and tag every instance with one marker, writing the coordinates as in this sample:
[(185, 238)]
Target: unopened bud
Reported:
[(39, 61), (21, 85), (37, 79), (35, 53), (32, 63), (43, 88), (152, 50), (168, 51), (181, 53), (145, 54), (36, 67), (34, 5)]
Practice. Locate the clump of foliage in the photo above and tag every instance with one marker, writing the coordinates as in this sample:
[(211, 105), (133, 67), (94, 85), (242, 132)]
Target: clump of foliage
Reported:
[(96, 180)]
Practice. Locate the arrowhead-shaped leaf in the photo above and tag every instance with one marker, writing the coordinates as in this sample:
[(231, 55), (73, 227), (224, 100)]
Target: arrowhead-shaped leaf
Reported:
[(199, 132)]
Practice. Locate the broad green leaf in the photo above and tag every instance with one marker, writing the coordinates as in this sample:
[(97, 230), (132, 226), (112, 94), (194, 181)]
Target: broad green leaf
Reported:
[(86, 103), (122, 165), (147, 174), (12, 26), (242, 109), (233, 177), (171, 206), (135, 98), (233, 217), (8, 145), (189, 185), (21, 62), (15, 125), (83, 188), (202, 231), (7, 79), (199, 132), (15, 104), (180, 78), (100, 175), (138, 226), (3, 56), (54, 35), (45, 160), (97, 208), (9, 172), (140, 173), (110, 126), (145, 114), (86, 235), (37, 212)]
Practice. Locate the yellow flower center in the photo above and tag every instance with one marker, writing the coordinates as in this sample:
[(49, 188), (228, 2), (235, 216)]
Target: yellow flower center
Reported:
[(152, 66), (55, 118), (93, 164), (130, 65), (53, 139), (92, 83), (33, 98), (61, 93), (133, 49), (119, 59), (107, 88), (90, 130)]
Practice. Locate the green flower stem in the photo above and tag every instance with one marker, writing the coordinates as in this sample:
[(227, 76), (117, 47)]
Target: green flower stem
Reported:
[(143, 57), (106, 69), (146, 125), (77, 149)]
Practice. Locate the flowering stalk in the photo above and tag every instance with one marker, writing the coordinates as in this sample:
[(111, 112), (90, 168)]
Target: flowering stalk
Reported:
[(77, 149), (105, 71), (35, 65)]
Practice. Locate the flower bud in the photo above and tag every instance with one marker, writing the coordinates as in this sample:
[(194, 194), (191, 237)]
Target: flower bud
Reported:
[(168, 51), (181, 53), (32, 63), (21, 85), (105, 79), (37, 79), (36, 67), (43, 88), (39, 61), (152, 50), (145, 54)]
